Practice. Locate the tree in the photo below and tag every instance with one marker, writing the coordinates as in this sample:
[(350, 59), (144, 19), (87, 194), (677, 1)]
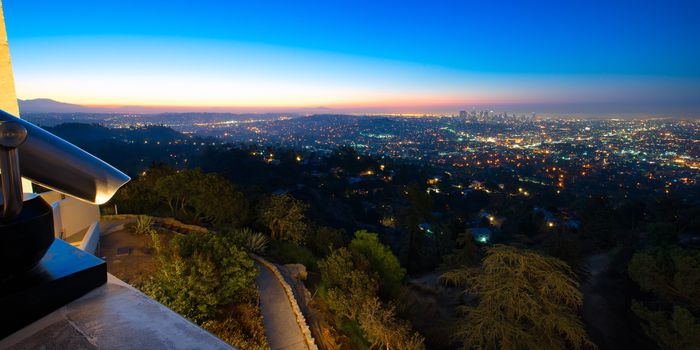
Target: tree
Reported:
[(662, 233), (673, 277), (284, 217), (349, 286), (525, 301), (672, 274), (199, 274), (384, 330), (323, 240), (204, 197), (381, 260), (466, 254), (352, 294), (139, 196), (418, 210), (677, 329)]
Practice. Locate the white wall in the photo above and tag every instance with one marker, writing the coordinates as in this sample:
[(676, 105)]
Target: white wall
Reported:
[(70, 215), (77, 215)]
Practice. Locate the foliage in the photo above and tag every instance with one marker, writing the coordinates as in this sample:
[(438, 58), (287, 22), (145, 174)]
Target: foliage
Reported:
[(673, 276), (139, 196), (565, 246), (350, 299), (384, 330), (381, 261), (677, 330), (204, 197), (526, 301), (255, 242), (466, 255), (243, 327), (185, 194), (323, 239), (199, 274), (291, 253), (284, 217), (349, 287), (352, 295), (144, 225), (417, 210), (336, 267), (662, 233)]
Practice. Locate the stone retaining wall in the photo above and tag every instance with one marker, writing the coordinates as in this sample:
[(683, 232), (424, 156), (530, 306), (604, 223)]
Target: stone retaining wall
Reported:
[(301, 321), (167, 223)]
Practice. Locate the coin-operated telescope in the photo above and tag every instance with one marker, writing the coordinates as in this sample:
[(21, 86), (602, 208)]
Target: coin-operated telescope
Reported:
[(26, 221)]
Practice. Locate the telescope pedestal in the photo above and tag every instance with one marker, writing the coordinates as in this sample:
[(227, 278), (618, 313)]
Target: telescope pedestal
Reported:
[(64, 274)]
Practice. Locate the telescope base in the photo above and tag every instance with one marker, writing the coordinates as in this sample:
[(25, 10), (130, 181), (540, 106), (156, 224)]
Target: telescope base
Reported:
[(64, 274)]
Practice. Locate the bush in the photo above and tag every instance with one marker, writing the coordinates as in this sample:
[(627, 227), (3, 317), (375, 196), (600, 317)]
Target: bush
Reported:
[(200, 274), (352, 296), (291, 253), (255, 242), (322, 240), (243, 327), (143, 225), (381, 260)]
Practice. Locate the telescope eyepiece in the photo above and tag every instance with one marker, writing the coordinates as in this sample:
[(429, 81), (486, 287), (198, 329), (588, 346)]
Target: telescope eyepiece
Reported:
[(12, 135)]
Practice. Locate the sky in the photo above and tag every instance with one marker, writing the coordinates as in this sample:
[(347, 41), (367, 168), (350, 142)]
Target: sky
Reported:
[(585, 57)]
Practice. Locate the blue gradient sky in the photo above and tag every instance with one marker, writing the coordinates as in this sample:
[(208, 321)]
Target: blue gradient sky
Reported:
[(585, 57)]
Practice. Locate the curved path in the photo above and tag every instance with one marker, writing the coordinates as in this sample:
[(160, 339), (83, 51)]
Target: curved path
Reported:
[(281, 327)]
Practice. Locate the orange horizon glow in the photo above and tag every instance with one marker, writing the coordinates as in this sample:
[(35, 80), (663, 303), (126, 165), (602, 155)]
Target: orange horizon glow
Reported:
[(161, 74)]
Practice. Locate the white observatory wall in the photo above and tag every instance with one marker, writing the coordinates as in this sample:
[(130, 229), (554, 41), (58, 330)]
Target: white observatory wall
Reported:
[(8, 94)]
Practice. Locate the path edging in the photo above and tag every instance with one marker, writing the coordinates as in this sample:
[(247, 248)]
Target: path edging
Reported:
[(301, 320)]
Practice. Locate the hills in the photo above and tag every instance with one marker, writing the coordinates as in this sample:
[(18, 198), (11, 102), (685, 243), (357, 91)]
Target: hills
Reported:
[(47, 105)]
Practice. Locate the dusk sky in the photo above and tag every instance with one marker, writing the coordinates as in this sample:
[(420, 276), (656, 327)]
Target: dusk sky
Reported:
[(635, 57)]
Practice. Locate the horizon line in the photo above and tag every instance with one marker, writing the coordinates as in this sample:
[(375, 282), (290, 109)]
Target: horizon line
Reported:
[(540, 109)]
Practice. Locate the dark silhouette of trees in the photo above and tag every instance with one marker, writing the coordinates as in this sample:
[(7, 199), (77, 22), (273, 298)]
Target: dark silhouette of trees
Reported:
[(204, 197), (284, 217), (672, 276)]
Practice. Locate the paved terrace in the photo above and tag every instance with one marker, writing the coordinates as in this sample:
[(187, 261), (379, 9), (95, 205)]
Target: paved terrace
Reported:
[(113, 316)]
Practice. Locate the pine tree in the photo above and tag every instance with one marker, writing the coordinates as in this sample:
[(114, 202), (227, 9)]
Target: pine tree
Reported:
[(525, 301)]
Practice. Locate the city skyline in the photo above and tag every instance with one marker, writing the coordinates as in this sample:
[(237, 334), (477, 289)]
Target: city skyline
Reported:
[(629, 59)]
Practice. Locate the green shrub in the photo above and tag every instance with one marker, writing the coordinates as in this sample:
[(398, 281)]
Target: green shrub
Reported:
[(243, 327), (255, 242), (200, 274), (143, 225), (291, 253), (381, 261)]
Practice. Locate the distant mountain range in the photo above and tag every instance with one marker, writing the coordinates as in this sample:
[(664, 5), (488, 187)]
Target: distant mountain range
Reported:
[(46, 105)]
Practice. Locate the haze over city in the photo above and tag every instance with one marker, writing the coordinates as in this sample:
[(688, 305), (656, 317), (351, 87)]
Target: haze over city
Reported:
[(623, 58)]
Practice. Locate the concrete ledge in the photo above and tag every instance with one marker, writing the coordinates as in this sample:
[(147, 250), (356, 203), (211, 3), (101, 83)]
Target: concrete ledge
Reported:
[(301, 321), (113, 316), (91, 238)]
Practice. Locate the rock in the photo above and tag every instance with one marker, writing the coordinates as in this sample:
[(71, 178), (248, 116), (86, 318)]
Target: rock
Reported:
[(297, 271)]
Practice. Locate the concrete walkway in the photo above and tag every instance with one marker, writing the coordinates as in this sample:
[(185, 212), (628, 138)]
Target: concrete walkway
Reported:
[(281, 328)]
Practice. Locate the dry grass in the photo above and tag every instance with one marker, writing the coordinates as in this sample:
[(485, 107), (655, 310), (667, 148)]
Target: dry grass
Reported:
[(136, 267)]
